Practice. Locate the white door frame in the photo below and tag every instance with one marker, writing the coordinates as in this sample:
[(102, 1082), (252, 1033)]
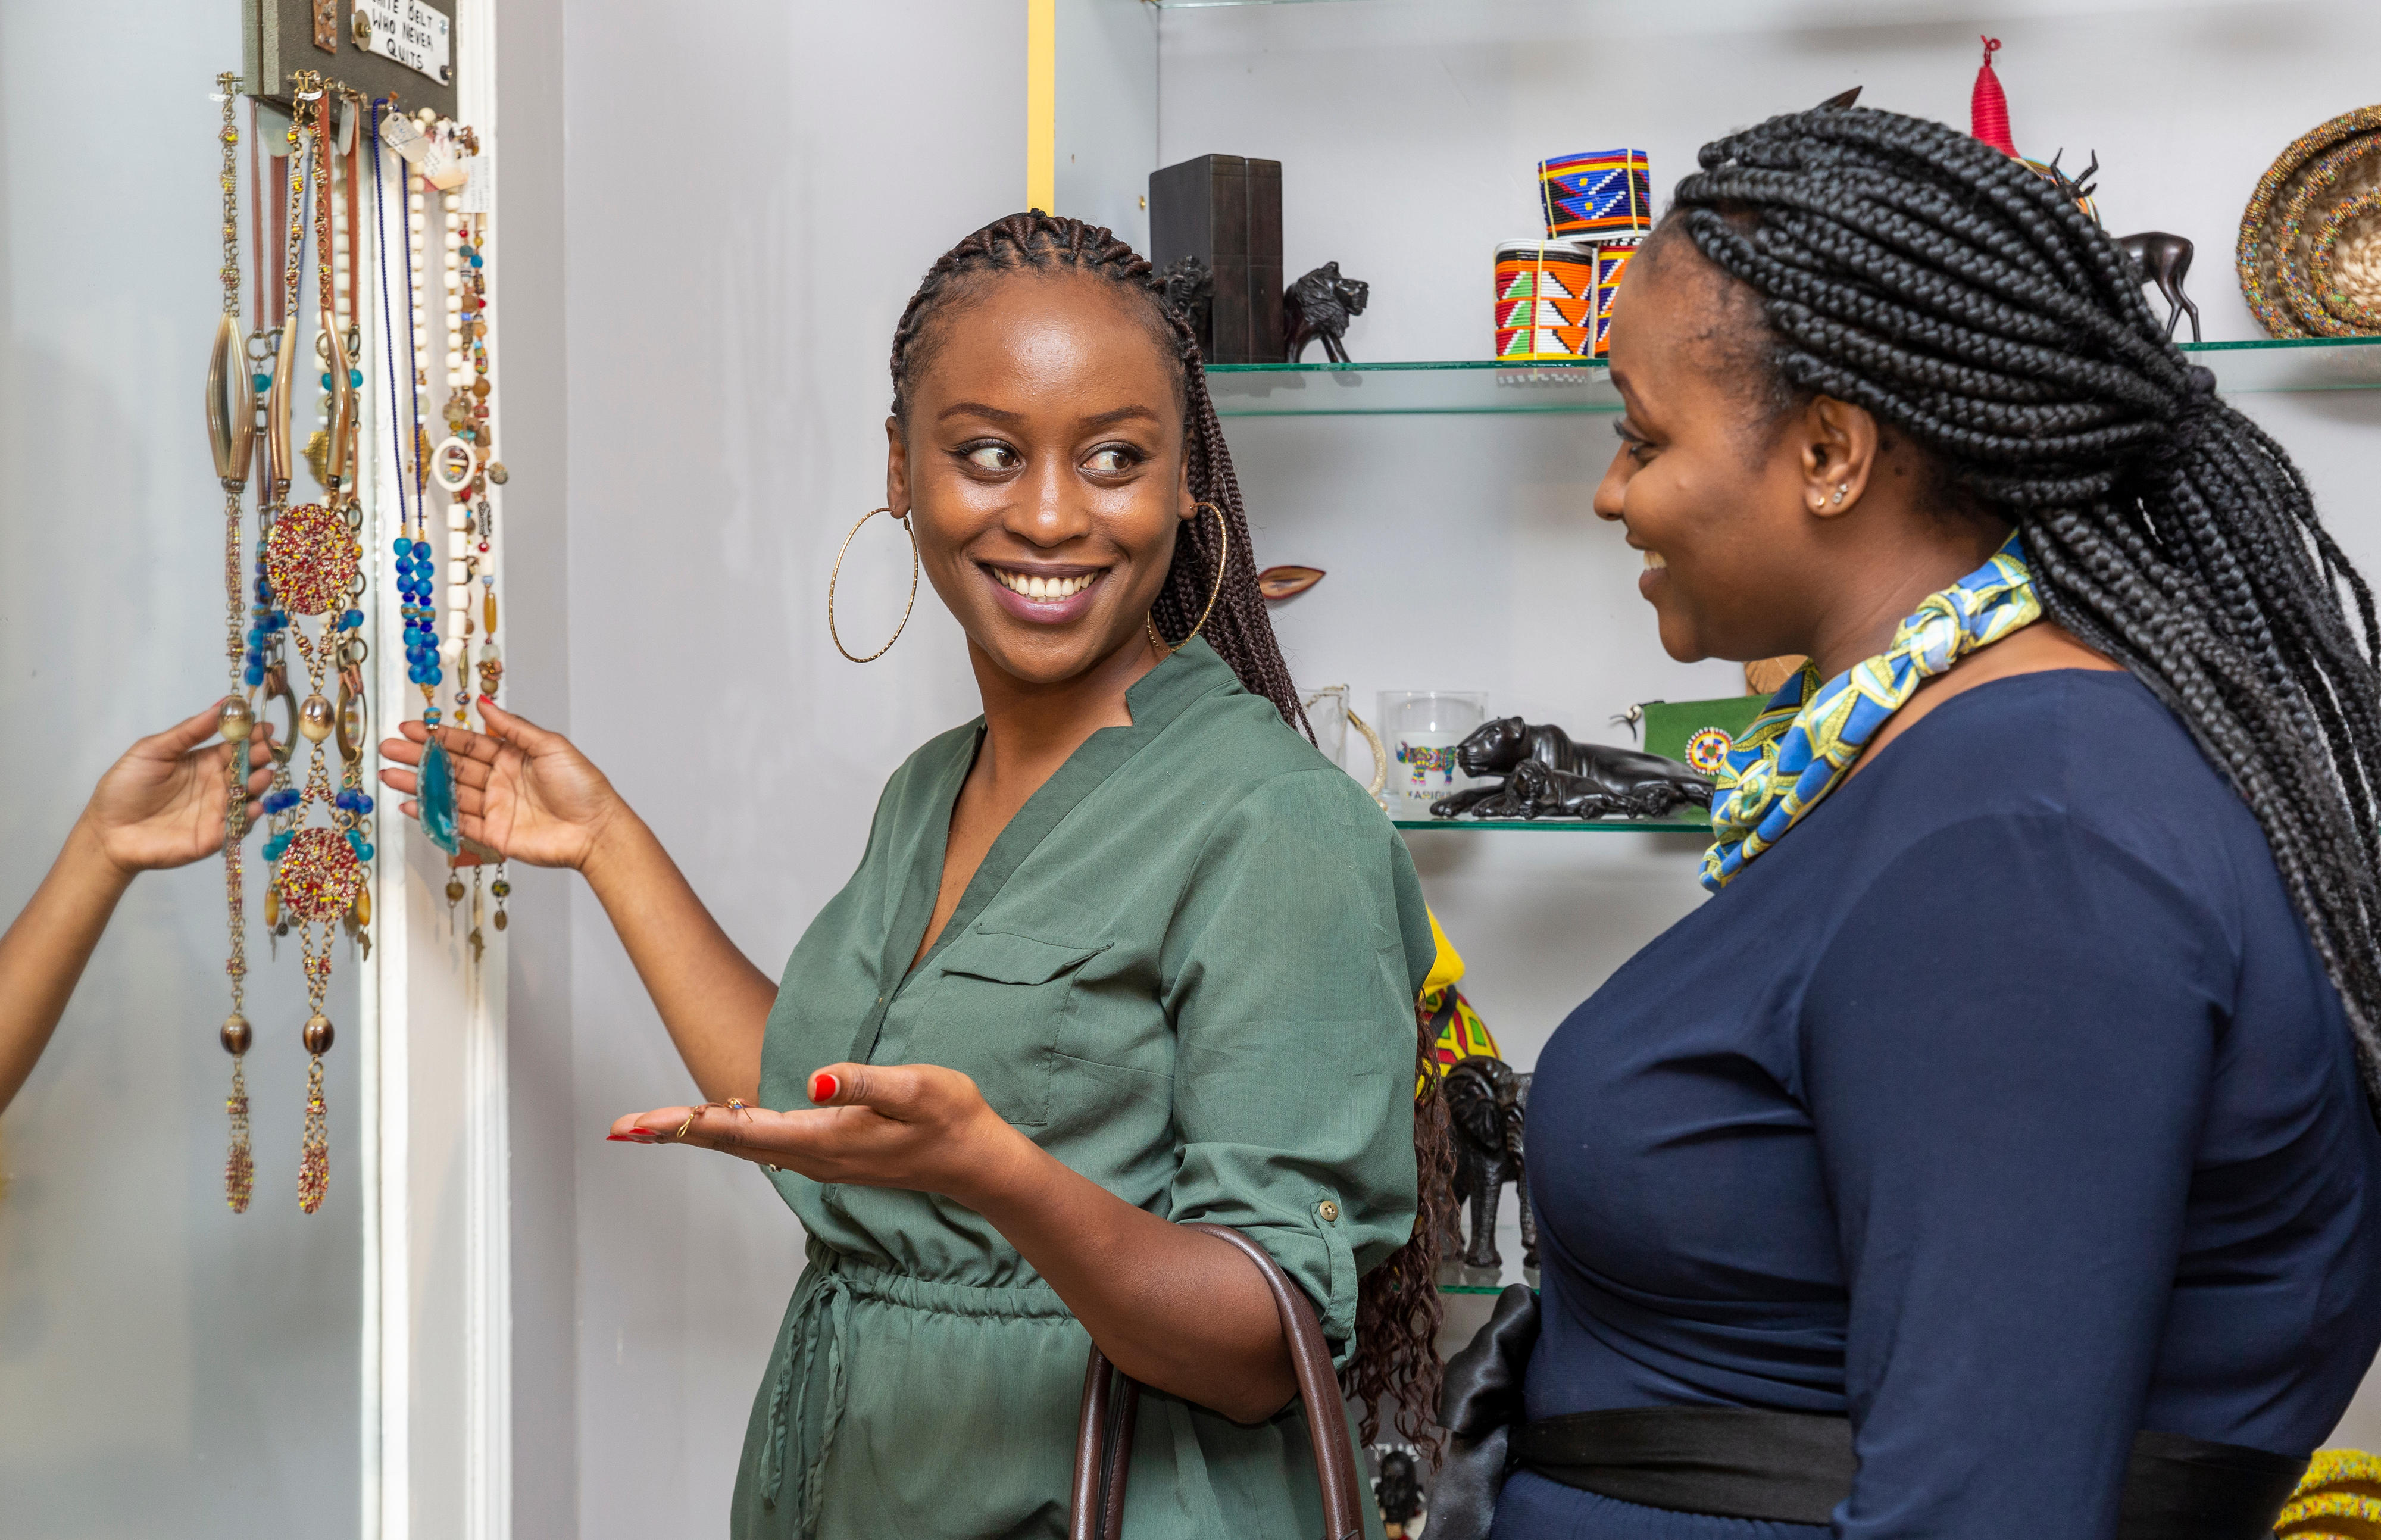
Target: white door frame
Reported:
[(437, 1425)]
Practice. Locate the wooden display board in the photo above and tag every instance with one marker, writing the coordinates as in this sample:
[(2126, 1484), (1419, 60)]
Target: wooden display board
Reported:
[(280, 37)]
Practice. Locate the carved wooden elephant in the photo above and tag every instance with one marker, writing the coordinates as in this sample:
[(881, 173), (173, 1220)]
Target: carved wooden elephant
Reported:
[(1487, 1103)]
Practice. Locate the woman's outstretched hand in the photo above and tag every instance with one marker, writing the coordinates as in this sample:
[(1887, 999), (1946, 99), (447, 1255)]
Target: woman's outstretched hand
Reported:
[(162, 804), (1171, 1307), (915, 1126), (521, 791)]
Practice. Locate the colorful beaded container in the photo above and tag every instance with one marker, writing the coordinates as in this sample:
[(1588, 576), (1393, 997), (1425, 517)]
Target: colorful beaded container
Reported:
[(1611, 262), (1596, 197), (1546, 292), (2310, 252), (2339, 1498)]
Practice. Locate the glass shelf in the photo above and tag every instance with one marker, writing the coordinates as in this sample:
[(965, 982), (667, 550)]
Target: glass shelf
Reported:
[(2297, 363), (1406, 389), (1462, 387), (1561, 825)]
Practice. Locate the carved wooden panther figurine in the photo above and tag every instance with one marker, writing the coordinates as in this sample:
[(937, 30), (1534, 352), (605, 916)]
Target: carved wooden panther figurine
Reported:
[(1547, 773)]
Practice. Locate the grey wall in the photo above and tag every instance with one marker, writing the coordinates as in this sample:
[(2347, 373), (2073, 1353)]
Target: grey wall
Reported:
[(752, 191), (165, 1365)]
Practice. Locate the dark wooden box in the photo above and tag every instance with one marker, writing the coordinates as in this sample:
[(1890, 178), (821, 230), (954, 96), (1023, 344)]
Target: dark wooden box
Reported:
[(1225, 210)]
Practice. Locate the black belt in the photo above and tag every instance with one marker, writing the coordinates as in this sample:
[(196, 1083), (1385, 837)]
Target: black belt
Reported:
[(1783, 1466), (1795, 1467)]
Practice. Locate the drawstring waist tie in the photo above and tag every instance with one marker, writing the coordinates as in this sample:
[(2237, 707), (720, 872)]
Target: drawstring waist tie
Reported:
[(814, 1356)]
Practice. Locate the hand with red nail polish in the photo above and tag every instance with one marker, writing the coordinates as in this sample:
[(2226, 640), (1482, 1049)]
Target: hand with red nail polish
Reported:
[(525, 794), (915, 1126)]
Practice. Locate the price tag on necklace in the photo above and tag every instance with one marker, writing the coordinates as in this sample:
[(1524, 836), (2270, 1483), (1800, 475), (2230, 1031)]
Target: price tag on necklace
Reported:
[(409, 33), (480, 192)]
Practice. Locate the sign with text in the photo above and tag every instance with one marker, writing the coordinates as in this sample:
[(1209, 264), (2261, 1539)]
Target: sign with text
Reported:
[(410, 32), (410, 49)]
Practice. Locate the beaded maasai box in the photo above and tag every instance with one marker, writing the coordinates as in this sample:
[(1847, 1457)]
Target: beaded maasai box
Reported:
[(1611, 261), (1546, 292), (1606, 193)]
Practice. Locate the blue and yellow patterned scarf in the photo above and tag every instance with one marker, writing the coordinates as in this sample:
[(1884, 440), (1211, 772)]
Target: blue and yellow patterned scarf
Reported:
[(1794, 753)]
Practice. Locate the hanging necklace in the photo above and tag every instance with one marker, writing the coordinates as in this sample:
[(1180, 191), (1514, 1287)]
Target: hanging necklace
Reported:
[(417, 564), (491, 470), (338, 343), (463, 465), (231, 431), (313, 568)]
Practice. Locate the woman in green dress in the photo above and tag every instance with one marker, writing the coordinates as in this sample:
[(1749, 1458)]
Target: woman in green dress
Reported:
[(1123, 953)]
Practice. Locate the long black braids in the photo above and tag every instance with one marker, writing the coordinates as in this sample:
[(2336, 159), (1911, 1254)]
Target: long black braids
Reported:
[(1398, 1312), (1968, 302)]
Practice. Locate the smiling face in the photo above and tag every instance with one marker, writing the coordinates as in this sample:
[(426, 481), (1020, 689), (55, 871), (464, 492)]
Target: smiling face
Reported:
[(1042, 464), (1715, 495)]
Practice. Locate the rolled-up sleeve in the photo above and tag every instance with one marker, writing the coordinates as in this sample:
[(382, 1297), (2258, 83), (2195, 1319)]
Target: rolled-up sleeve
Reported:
[(1288, 981)]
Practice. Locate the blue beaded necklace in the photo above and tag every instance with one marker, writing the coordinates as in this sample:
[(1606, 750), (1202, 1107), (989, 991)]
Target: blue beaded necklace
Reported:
[(416, 562)]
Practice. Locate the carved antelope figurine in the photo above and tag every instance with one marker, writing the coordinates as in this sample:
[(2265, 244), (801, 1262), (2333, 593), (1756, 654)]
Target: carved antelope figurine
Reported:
[(2165, 259)]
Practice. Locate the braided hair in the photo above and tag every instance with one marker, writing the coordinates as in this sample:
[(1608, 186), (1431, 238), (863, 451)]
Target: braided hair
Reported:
[(1239, 629), (1395, 1361), (1969, 304)]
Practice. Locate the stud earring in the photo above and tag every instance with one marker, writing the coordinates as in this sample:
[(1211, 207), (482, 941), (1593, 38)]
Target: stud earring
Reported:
[(1841, 489)]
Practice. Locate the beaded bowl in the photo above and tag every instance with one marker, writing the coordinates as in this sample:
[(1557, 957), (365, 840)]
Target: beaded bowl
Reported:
[(2310, 252)]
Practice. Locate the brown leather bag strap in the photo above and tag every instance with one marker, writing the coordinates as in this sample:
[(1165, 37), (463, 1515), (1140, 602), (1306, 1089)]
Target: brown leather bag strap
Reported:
[(1103, 1450), (1103, 1434)]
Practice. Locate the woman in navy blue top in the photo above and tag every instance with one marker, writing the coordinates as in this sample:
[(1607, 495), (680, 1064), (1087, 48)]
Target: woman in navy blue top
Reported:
[(2001, 1101)]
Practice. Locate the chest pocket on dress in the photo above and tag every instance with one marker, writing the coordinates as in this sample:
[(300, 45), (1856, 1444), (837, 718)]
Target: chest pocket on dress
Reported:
[(998, 1013)]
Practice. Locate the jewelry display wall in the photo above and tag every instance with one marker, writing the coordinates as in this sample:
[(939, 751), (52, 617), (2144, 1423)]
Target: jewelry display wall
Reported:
[(306, 567), (298, 583)]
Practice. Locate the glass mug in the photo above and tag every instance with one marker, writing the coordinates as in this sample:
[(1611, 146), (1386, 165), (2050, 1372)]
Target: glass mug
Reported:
[(1329, 712), (1422, 729)]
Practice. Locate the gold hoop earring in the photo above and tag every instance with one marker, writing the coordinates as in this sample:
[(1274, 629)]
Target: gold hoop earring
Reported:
[(834, 576), (1223, 557)]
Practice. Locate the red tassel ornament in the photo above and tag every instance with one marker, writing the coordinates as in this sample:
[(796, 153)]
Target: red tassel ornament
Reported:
[(1988, 109)]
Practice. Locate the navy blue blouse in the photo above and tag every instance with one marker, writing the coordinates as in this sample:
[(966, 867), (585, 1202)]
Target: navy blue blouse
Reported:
[(2004, 1107)]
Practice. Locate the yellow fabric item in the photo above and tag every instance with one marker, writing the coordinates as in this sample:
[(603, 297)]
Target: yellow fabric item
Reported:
[(1460, 1032), (2339, 1499), (1447, 966)]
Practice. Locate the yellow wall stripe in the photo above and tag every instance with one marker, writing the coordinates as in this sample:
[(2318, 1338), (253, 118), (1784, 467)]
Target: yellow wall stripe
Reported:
[(1042, 105)]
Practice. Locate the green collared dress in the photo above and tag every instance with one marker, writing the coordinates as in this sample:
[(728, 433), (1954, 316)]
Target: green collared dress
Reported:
[(1186, 969)]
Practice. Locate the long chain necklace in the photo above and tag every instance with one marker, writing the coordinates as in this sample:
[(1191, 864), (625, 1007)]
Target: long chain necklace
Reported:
[(313, 568), (231, 431), (417, 564), (339, 343), (464, 466), (461, 465), (491, 470)]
